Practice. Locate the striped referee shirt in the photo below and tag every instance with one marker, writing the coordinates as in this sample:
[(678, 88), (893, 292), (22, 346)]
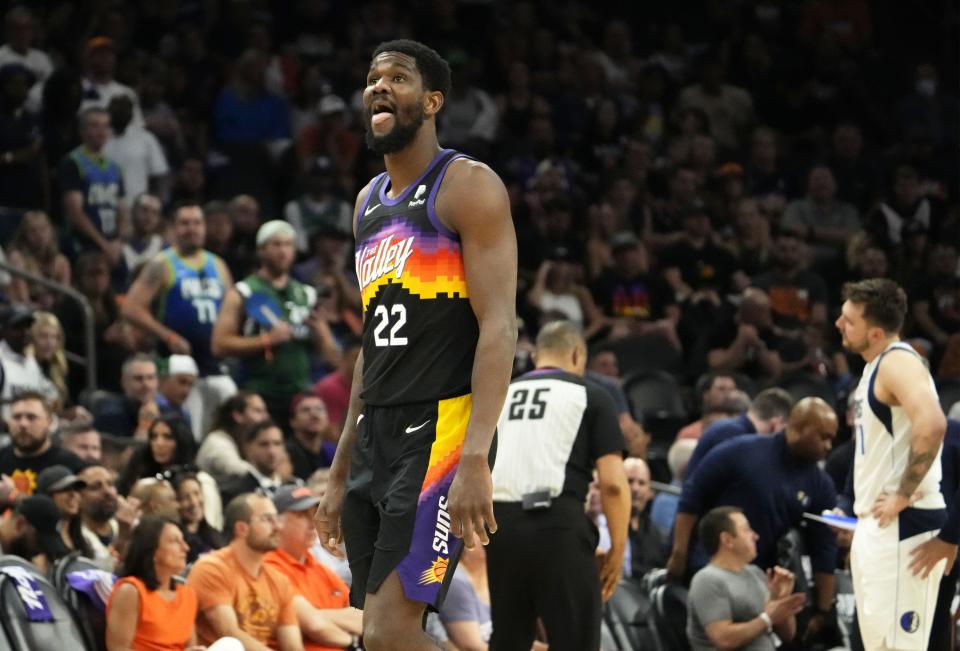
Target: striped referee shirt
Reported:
[(553, 428)]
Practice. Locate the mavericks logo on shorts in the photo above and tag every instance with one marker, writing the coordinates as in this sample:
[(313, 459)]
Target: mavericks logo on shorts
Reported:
[(910, 621)]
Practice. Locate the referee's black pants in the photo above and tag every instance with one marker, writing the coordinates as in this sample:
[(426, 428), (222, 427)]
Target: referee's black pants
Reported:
[(542, 564)]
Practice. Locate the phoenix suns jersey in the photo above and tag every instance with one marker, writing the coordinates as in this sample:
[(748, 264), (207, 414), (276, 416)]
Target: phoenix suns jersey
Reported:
[(419, 332)]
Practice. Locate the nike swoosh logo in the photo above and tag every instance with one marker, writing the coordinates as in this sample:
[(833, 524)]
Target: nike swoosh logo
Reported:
[(411, 430), (370, 210)]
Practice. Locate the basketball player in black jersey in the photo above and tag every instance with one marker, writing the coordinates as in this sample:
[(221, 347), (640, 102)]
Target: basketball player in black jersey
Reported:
[(436, 257)]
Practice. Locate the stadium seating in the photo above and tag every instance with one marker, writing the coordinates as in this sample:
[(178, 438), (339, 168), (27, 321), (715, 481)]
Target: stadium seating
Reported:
[(25, 635), (646, 352), (92, 620), (628, 612), (668, 617)]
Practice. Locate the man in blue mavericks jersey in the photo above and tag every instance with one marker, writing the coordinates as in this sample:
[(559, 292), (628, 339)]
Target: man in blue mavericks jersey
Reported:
[(92, 189), (177, 299)]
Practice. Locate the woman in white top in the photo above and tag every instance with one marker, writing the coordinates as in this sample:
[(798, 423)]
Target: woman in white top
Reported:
[(219, 452)]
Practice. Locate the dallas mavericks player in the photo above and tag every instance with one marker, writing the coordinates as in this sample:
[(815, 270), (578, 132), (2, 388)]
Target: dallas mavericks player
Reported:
[(899, 436)]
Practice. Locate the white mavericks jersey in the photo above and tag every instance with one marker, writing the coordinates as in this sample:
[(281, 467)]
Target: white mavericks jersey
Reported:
[(883, 445)]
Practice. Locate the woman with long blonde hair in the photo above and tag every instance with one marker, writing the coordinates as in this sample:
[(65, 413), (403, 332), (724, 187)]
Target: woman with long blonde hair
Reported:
[(34, 248), (47, 346)]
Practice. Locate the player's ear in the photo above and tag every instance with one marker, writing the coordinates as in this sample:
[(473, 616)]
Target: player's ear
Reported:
[(432, 102)]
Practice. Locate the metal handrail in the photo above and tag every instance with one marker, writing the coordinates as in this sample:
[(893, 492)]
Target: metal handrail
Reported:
[(89, 321)]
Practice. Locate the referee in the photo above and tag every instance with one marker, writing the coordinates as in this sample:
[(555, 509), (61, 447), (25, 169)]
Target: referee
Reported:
[(554, 429)]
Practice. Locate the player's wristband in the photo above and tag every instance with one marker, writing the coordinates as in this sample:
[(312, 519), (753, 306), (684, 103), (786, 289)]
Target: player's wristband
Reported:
[(766, 620)]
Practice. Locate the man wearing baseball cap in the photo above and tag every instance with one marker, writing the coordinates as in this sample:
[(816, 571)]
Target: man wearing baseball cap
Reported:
[(326, 619), (269, 320), (29, 529)]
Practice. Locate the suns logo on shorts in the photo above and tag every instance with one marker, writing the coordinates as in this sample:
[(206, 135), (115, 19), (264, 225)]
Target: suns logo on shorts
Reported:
[(434, 573), (910, 621)]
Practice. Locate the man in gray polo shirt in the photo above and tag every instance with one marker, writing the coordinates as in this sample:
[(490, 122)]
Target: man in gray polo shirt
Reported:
[(731, 603)]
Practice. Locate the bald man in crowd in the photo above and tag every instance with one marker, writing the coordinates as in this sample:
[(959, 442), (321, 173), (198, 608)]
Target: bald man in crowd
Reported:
[(774, 480)]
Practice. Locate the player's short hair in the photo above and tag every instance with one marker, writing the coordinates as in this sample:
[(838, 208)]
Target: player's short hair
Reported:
[(86, 113), (714, 523), (559, 336), (884, 302), (434, 70), (771, 403)]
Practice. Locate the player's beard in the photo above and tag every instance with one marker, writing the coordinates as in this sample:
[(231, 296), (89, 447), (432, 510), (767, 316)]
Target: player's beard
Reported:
[(406, 125), (857, 347)]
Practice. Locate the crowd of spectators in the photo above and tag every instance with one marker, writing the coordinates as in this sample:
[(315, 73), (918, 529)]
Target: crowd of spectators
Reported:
[(692, 183)]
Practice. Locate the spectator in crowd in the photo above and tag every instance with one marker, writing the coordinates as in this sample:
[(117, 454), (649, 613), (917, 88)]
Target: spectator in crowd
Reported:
[(263, 451), (31, 448), (29, 530), (62, 486), (92, 192), (35, 249), (822, 219), (603, 369), (465, 613), (928, 105), (242, 257), (470, 117), (246, 111), (906, 206), (696, 267), (23, 182), (319, 208), (747, 342), (936, 301), (281, 324), (663, 509), (113, 338), (645, 548), (313, 441), (856, 172), (99, 82), (155, 497), (19, 370), (240, 596), (219, 453), (774, 480), (136, 151), (732, 603), (729, 109), (177, 299), (107, 517), (20, 31), (201, 536), (798, 296), (167, 445), (131, 413), (636, 300), (749, 240), (767, 414), (334, 387), (326, 619), (176, 381), (144, 241), (47, 347), (147, 609), (219, 228), (714, 390), (190, 184), (556, 291), (82, 439)]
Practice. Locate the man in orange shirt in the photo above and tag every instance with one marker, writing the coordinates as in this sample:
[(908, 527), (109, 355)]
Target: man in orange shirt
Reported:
[(326, 619), (239, 595)]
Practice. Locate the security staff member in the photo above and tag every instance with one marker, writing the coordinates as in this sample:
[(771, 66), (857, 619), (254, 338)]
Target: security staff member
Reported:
[(555, 428)]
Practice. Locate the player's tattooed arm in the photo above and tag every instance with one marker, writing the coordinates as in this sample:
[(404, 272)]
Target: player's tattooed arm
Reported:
[(904, 380), (918, 464)]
